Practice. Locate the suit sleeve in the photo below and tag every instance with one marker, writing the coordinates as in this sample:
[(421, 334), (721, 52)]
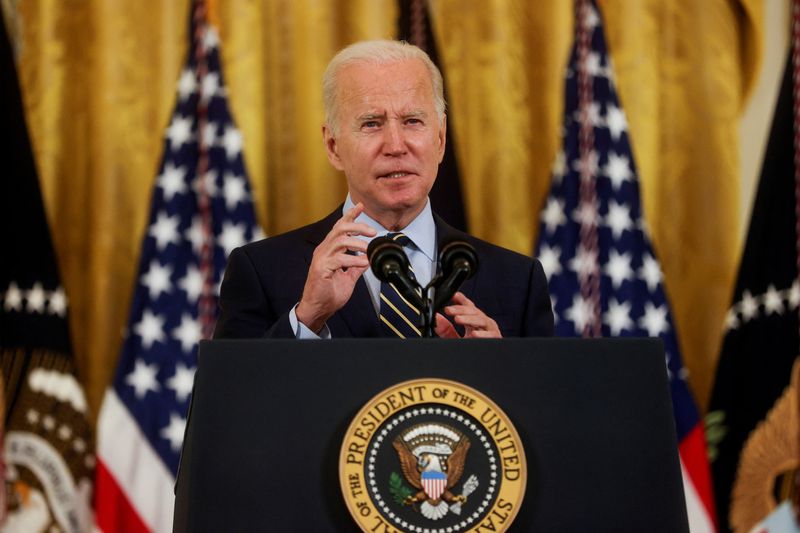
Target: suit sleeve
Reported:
[(538, 321), (245, 311)]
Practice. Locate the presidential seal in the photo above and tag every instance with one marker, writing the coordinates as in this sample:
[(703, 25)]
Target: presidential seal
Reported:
[(432, 456)]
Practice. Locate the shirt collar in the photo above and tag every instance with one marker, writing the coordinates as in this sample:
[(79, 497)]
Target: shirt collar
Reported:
[(421, 230)]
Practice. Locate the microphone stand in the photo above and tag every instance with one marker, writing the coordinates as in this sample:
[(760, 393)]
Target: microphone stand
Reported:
[(427, 315)]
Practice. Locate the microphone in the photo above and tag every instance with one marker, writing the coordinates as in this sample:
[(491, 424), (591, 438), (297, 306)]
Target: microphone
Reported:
[(390, 264), (458, 262)]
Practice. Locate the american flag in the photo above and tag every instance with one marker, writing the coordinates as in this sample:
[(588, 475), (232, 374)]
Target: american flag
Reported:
[(604, 277), (201, 210)]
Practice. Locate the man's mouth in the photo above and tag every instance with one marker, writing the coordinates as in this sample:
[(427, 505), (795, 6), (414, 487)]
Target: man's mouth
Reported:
[(399, 174)]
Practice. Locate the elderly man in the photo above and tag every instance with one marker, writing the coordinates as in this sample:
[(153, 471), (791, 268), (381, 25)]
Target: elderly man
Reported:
[(385, 129)]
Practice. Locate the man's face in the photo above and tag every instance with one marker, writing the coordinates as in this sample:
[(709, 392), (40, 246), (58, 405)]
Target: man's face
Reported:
[(390, 140)]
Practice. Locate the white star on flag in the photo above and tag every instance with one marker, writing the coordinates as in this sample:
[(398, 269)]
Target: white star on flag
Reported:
[(651, 273), (618, 317), (179, 132), (593, 115), (36, 299), (584, 262), (553, 215), (794, 295), (232, 141), (616, 122), (157, 279), (749, 306), (232, 236), (187, 84), (209, 87), (172, 181), (13, 298), (211, 39), (550, 258), (174, 431), (590, 164), (559, 167), (165, 230), (143, 378), (192, 283), (208, 182), (234, 190), (579, 313), (188, 333), (618, 268), (731, 320), (618, 170), (585, 214), (182, 382), (773, 301), (594, 65), (618, 218), (58, 303), (150, 329), (654, 320), (194, 234)]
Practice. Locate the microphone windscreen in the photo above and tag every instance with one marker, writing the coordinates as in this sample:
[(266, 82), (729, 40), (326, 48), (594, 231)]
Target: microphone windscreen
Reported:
[(383, 252), (375, 244), (458, 252)]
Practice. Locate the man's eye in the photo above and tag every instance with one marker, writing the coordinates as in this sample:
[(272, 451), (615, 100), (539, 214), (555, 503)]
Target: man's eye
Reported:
[(370, 124), (413, 121)]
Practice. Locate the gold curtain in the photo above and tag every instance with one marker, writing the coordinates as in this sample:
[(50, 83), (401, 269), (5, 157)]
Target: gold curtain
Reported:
[(98, 79)]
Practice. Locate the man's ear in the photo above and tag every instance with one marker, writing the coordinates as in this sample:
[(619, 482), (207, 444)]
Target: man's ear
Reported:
[(331, 148)]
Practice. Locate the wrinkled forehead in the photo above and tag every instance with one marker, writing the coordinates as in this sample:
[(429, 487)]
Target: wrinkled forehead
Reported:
[(396, 86)]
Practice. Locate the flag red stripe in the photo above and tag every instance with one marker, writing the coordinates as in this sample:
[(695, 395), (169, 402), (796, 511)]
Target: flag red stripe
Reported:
[(114, 511), (693, 454)]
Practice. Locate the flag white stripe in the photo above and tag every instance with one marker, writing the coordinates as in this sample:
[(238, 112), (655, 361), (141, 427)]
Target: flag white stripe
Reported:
[(136, 467), (699, 520)]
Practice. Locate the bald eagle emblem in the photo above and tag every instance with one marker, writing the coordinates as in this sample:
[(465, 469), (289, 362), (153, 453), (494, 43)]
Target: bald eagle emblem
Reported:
[(432, 460)]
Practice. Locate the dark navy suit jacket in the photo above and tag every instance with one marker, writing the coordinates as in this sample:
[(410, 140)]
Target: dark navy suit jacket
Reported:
[(265, 279)]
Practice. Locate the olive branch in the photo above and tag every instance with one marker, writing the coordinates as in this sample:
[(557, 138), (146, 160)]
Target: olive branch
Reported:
[(398, 489)]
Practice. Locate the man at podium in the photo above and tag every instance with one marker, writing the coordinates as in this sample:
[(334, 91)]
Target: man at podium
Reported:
[(385, 129)]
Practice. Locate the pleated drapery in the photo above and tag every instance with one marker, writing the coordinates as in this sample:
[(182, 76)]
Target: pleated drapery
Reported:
[(99, 78)]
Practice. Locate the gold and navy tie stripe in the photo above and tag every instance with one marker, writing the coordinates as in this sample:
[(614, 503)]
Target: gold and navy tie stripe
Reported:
[(398, 316)]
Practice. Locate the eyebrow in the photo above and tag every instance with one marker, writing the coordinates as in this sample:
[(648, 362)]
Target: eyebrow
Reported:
[(373, 116), (370, 116)]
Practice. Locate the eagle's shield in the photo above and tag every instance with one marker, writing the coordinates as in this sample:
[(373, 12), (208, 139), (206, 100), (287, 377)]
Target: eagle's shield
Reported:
[(433, 483)]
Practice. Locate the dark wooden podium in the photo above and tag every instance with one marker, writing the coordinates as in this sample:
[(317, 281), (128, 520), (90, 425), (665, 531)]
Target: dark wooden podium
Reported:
[(268, 418)]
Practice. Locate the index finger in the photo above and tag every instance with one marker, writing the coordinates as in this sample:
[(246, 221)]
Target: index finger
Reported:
[(354, 228), (353, 212), (459, 298)]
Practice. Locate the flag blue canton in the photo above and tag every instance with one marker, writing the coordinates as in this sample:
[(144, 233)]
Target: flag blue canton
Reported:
[(633, 302), (159, 356)]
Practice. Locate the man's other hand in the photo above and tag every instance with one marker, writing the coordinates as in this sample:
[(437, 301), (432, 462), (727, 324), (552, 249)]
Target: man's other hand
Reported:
[(464, 312)]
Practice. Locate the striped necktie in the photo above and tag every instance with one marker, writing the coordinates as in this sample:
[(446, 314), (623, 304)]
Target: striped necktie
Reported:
[(398, 317)]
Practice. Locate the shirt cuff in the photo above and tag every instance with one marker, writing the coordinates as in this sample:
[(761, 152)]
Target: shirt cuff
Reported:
[(302, 332)]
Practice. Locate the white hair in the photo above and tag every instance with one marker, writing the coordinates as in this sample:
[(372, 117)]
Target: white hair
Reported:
[(377, 52)]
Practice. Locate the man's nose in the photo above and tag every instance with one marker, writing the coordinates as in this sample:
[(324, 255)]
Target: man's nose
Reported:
[(393, 142)]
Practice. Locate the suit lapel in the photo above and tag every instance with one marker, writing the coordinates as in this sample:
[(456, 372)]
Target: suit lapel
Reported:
[(358, 314)]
